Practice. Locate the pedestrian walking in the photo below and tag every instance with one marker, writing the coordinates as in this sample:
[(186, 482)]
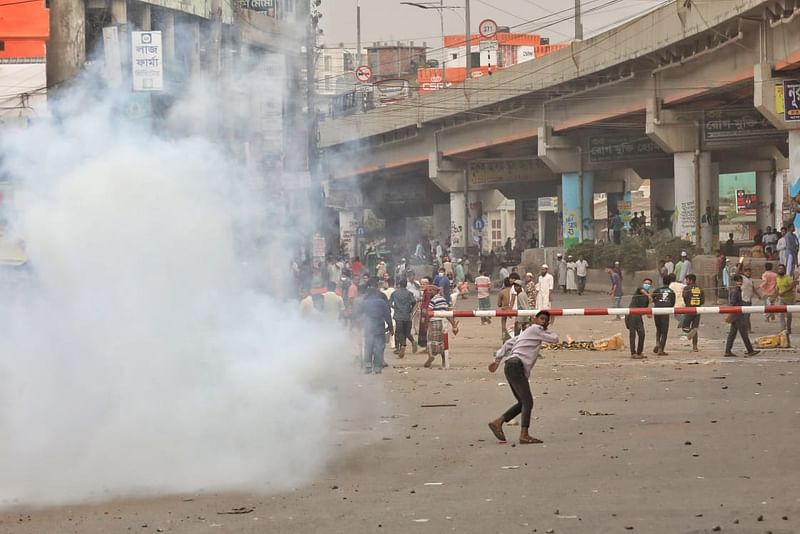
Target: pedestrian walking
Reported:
[(769, 289), (437, 334), (677, 288), (375, 313), (403, 303), (616, 287), (663, 297), (483, 284), (737, 321), (693, 296), (582, 271), (635, 323), (521, 353), (504, 303)]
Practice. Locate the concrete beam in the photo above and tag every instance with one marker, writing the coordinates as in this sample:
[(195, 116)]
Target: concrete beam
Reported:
[(559, 153), (764, 87), (448, 175), (670, 130)]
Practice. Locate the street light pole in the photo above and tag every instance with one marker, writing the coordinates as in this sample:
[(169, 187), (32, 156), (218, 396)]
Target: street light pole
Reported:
[(444, 48), (468, 39), (578, 22)]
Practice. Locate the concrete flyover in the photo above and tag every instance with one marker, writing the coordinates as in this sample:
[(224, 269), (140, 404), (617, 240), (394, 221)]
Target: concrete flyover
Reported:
[(677, 95)]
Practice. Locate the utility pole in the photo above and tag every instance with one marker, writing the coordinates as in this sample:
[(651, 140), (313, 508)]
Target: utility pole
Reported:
[(578, 22), (358, 34), (468, 39), (444, 48)]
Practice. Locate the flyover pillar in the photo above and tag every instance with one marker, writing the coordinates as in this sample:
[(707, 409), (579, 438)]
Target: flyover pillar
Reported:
[(765, 191), (460, 223), (564, 156), (794, 176), (694, 175), (577, 191), (696, 178)]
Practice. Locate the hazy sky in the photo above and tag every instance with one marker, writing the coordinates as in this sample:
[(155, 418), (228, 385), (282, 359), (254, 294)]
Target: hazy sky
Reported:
[(389, 20)]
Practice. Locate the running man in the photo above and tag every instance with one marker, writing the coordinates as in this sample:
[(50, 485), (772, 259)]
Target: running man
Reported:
[(521, 353)]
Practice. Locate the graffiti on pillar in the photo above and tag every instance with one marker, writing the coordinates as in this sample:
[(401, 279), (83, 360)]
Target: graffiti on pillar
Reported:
[(456, 234), (572, 229), (686, 220)]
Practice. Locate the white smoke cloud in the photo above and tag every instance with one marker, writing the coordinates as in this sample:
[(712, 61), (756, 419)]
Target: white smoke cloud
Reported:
[(141, 356)]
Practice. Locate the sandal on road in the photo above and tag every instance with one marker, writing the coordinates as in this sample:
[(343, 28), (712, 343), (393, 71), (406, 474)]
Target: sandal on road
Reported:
[(497, 431), (529, 439)]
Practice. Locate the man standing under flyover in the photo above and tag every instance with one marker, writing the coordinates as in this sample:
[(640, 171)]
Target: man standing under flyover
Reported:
[(544, 288), (663, 297), (521, 353), (377, 319), (582, 271)]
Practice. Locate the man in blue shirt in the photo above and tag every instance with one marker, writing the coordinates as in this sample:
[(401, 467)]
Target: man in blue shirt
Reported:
[(443, 282), (377, 318)]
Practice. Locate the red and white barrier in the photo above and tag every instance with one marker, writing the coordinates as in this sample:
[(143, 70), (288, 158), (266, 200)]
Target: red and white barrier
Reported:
[(705, 310)]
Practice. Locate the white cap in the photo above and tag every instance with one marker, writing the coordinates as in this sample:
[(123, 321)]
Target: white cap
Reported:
[(559, 255), (683, 253), (529, 274), (616, 263), (544, 266)]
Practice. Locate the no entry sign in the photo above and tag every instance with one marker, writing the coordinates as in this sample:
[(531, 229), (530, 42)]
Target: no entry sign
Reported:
[(364, 73)]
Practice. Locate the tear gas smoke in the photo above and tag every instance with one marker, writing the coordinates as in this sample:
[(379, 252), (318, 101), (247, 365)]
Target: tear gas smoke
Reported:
[(139, 357)]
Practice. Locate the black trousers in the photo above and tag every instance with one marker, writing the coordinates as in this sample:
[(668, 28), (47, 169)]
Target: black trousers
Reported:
[(636, 328), (521, 388), (402, 332), (662, 329), (739, 325)]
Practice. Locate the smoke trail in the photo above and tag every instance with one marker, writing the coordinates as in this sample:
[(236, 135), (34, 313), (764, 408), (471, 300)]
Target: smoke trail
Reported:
[(140, 357)]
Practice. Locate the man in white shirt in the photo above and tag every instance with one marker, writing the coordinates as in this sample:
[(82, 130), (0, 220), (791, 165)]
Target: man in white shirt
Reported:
[(685, 268), (582, 270), (503, 274), (669, 266), (544, 288), (521, 352)]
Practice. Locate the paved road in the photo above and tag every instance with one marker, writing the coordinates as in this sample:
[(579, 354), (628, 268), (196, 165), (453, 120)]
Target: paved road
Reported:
[(683, 443)]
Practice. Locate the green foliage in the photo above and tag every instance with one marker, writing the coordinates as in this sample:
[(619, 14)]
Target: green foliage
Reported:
[(631, 252)]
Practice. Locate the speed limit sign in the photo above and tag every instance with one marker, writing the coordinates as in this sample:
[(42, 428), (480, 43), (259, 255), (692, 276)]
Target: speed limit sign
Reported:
[(364, 73), (488, 28)]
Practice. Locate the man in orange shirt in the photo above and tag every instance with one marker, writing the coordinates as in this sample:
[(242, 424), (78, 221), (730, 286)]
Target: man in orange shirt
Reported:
[(769, 288)]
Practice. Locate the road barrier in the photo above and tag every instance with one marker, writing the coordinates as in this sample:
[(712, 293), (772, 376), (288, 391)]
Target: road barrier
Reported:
[(705, 310)]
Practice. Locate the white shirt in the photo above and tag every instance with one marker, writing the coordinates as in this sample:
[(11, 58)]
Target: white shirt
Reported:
[(582, 267), (545, 284), (526, 346), (503, 273), (747, 289), (670, 267), (781, 243)]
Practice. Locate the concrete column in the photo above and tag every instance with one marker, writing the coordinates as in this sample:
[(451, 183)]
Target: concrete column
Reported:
[(662, 199), (765, 190), (577, 204), (349, 221), (119, 18), (458, 233), (709, 206), (441, 223), (692, 178), (794, 176), (168, 36), (66, 47)]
